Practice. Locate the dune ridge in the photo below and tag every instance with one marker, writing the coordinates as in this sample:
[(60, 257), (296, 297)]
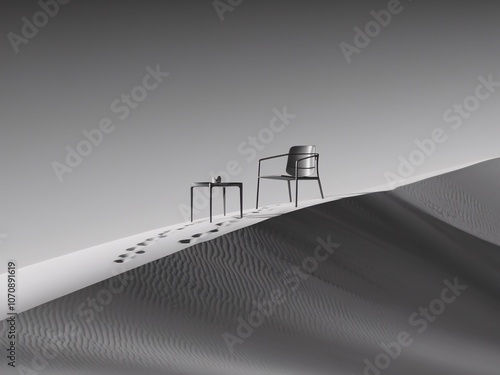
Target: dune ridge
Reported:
[(394, 253)]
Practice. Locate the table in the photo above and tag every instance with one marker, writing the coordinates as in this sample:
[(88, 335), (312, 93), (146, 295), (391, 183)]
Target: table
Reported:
[(223, 185)]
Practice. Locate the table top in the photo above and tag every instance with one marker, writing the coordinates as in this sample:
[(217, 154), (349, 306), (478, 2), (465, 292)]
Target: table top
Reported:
[(222, 184)]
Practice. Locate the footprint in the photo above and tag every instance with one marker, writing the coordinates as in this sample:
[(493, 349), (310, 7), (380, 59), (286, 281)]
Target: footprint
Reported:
[(226, 223), (163, 234), (185, 226), (195, 237), (124, 258)]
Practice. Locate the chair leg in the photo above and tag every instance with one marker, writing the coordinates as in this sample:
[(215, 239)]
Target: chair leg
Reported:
[(191, 204), (289, 191), (320, 188), (224, 199), (210, 203), (258, 185), (296, 192)]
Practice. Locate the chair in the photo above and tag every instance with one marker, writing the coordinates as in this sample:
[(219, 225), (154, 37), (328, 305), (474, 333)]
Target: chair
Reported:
[(302, 164)]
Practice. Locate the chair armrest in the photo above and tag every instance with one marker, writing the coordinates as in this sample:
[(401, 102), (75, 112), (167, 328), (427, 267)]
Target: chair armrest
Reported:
[(311, 155), (273, 157), (268, 158), (281, 155), (316, 155), (307, 157)]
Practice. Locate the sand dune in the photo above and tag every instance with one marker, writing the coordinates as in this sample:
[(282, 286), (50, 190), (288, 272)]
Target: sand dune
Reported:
[(467, 199), (314, 291)]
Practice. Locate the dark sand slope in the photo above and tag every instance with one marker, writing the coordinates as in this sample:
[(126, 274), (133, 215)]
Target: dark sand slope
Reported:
[(393, 257), (468, 199)]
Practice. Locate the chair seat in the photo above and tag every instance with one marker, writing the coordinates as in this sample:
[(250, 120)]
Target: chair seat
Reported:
[(287, 177)]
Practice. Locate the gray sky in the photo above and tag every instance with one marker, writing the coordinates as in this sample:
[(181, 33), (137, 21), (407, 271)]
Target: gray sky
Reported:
[(227, 80)]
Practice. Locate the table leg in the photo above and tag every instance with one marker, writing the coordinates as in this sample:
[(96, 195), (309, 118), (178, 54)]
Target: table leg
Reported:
[(210, 203), (224, 198), (257, 200), (241, 201)]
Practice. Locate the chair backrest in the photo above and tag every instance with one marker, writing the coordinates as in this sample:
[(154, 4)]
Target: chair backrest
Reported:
[(306, 167)]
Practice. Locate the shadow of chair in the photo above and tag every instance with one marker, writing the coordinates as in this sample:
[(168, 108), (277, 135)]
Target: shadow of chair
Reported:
[(302, 164)]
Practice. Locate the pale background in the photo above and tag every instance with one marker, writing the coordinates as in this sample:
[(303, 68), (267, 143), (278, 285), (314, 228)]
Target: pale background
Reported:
[(225, 80)]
